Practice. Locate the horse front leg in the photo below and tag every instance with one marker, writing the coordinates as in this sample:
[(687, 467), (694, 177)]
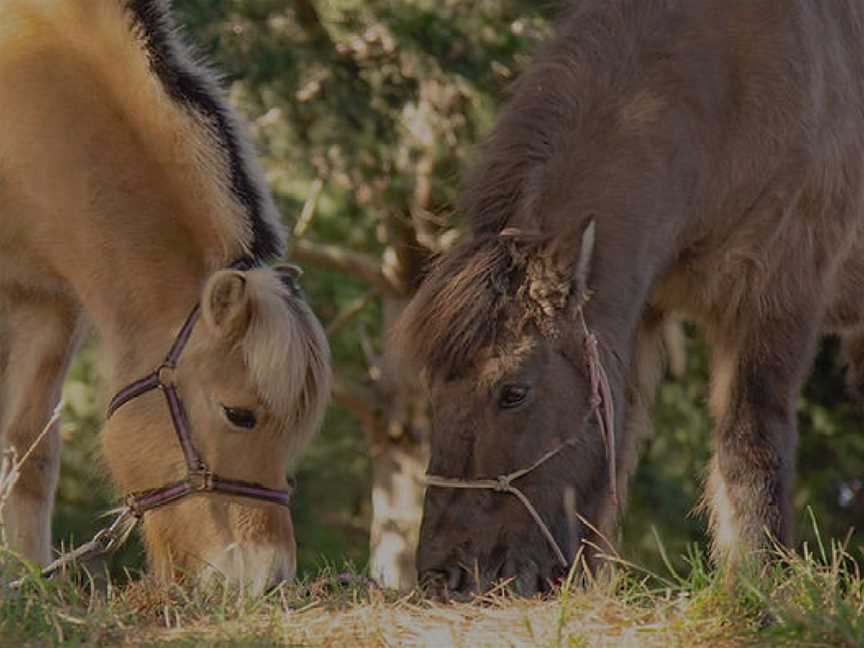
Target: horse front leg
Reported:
[(756, 378), (39, 340), (645, 374)]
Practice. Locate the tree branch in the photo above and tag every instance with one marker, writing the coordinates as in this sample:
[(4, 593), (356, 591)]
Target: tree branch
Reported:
[(309, 18), (310, 21), (333, 257), (310, 208), (405, 265), (351, 311)]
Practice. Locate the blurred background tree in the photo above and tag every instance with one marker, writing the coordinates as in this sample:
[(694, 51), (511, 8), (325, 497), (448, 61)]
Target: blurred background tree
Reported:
[(366, 114)]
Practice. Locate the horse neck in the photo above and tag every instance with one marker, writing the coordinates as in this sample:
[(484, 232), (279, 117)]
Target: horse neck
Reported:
[(622, 281), (123, 194), (138, 265), (139, 306)]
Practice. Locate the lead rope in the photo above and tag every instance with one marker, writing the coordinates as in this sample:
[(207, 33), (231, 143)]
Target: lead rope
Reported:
[(105, 541), (603, 408)]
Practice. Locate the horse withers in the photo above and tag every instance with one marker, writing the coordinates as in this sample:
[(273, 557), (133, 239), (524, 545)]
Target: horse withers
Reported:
[(130, 201), (702, 158)]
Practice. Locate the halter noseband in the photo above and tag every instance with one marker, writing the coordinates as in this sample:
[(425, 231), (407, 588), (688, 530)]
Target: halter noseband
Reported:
[(199, 478), (602, 408)]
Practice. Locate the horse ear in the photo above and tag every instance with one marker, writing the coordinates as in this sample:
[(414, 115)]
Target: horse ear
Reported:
[(293, 272), (586, 256), (573, 253), (226, 306), (290, 275)]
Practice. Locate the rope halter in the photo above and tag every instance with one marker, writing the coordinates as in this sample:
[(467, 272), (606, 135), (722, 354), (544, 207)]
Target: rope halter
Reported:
[(602, 408)]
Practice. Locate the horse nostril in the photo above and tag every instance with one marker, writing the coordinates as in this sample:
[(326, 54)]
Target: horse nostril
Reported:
[(428, 576), (442, 582), (432, 578), (434, 583)]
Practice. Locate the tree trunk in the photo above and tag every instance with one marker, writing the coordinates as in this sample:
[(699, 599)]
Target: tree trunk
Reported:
[(397, 507), (399, 451)]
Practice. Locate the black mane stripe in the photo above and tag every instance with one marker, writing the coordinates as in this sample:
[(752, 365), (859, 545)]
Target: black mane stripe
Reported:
[(195, 90)]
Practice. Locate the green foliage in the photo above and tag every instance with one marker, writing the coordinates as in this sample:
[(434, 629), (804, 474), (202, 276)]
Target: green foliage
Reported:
[(331, 513)]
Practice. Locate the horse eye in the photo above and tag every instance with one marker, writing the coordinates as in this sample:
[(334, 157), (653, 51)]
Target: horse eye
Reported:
[(243, 418), (512, 396)]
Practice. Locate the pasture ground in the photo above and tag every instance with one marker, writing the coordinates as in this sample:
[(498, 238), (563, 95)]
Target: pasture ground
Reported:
[(811, 598), (814, 599)]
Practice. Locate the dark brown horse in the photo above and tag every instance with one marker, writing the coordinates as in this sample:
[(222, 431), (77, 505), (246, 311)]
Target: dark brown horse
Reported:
[(658, 156)]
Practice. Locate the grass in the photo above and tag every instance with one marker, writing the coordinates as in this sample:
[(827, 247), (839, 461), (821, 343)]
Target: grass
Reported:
[(812, 599), (815, 598)]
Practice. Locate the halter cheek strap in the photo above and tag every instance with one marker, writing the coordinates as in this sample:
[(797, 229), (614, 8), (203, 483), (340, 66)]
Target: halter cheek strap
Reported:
[(198, 476)]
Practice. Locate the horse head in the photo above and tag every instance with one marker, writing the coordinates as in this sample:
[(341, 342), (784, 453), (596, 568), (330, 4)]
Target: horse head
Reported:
[(250, 382), (523, 441)]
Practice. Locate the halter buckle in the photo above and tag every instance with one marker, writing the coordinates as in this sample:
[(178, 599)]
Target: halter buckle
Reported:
[(201, 480), (166, 374), (131, 502)]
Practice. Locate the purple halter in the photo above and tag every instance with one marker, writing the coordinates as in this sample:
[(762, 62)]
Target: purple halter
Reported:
[(199, 478)]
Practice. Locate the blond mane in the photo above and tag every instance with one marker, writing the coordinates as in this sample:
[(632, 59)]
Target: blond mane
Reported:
[(296, 385)]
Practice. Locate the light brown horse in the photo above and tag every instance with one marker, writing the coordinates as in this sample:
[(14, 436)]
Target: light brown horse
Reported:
[(126, 190), (658, 156)]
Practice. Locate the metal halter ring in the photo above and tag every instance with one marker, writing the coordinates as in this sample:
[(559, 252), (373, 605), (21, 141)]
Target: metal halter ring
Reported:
[(201, 480)]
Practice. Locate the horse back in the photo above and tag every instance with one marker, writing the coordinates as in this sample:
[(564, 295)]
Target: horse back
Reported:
[(776, 92)]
